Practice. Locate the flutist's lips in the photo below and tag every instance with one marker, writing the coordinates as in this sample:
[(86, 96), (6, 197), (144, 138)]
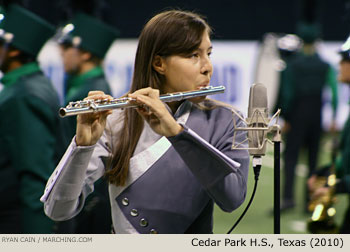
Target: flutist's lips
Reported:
[(203, 86)]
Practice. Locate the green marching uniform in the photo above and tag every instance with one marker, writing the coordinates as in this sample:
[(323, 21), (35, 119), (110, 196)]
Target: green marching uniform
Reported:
[(342, 160), (29, 131), (302, 85), (94, 37), (343, 173)]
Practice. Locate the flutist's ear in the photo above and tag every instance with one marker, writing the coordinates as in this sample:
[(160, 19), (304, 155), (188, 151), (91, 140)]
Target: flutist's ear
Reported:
[(159, 64)]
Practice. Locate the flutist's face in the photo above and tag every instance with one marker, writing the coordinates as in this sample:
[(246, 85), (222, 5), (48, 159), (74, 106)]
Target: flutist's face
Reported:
[(189, 72)]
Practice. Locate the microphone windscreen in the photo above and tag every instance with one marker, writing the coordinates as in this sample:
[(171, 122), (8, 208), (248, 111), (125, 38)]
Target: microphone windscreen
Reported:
[(257, 98), (257, 118)]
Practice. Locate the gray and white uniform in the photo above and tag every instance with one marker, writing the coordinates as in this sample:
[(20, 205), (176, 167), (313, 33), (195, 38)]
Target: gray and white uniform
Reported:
[(172, 182)]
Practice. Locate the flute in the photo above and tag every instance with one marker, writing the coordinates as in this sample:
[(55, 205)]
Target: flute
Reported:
[(90, 106)]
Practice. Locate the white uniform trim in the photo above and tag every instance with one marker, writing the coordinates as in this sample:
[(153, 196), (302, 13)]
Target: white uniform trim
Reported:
[(226, 158)]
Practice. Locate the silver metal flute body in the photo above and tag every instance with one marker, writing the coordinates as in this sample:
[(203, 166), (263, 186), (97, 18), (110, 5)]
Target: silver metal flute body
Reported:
[(90, 106)]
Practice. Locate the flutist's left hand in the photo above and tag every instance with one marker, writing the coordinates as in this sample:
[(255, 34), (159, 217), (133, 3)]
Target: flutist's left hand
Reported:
[(155, 112), (91, 126)]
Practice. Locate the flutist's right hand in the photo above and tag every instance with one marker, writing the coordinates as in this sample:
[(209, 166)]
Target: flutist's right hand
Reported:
[(91, 126)]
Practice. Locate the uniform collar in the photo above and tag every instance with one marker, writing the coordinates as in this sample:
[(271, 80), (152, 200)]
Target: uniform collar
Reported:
[(76, 81), (183, 108), (12, 76)]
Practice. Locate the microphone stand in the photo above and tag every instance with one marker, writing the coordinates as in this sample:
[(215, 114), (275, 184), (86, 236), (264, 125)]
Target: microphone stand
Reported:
[(276, 132), (277, 176)]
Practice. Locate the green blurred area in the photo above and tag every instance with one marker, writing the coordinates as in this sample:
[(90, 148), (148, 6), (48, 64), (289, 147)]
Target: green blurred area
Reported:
[(259, 218)]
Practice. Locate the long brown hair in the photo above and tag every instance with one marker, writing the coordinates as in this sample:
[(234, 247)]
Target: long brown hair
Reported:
[(169, 33)]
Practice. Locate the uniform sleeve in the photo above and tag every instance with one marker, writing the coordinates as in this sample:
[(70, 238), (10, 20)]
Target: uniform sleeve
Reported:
[(333, 84), (31, 142), (73, 179), (222, 171), (343, 168)]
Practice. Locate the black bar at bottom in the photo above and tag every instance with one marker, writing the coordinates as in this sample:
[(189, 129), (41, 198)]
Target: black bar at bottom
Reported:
[(277, 174)]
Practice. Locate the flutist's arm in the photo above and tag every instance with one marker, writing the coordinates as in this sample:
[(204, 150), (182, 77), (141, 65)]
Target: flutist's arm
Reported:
[(222, 172), (73, 179)]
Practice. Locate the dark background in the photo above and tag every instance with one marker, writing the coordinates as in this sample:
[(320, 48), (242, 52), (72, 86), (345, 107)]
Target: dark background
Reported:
[(231, 19)]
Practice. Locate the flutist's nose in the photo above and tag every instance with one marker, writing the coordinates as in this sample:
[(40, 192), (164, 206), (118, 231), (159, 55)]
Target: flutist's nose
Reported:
[(206, 67)]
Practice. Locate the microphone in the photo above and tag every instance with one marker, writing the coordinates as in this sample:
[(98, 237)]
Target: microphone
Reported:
[(257, 120)]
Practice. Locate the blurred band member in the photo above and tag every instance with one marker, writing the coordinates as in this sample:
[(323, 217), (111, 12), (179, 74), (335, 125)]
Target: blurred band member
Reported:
[(29, 128)]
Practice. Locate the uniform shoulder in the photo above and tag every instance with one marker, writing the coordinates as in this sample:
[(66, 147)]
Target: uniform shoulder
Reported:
[(38, 85)]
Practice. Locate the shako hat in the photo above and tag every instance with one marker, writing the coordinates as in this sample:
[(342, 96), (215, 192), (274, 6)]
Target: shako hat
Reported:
[(25, 30), (89, 33)]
